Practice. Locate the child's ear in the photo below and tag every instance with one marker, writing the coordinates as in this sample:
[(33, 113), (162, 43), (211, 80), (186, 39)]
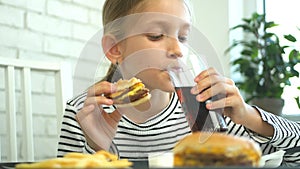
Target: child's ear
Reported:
[(111, 48)]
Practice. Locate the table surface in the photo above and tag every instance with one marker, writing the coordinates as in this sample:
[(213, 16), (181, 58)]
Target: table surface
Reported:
[(144, 165)]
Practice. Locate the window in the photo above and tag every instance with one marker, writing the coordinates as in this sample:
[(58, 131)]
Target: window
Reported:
[(285, 13)]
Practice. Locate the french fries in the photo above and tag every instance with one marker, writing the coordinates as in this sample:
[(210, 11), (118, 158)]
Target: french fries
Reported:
[(100, 159)]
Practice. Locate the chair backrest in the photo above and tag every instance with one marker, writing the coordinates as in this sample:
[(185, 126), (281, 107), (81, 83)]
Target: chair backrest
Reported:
[(63, 89)]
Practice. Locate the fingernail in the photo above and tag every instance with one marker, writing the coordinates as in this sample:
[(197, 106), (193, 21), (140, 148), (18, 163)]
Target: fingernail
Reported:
[(109, 101), (208, 104), (194, 90), (200, 97)]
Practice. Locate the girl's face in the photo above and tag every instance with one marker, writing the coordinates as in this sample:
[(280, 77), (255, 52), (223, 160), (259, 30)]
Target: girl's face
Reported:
[(157, 38)]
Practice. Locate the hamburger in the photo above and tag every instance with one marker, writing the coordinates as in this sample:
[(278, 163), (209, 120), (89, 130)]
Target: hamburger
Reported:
[(215, 149), (130, 92)]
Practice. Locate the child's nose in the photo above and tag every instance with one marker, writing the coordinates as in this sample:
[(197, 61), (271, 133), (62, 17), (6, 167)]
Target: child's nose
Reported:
[(174, 49)]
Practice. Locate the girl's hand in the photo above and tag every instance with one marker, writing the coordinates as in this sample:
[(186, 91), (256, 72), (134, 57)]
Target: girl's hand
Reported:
[(212, 84), (98, 126)]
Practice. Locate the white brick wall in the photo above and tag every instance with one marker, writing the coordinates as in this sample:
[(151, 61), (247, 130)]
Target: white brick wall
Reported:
[(11, 16), (90, 3), (75, 12), (30, 5), (8, 52), (71, 48), (21, 38), (45, 30), (48, 25)]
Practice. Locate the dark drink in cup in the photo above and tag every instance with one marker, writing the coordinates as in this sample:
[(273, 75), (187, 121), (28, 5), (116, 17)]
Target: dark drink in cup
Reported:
[(198, 116)]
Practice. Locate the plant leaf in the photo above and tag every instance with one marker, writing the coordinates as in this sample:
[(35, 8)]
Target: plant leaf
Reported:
[(298, 101), (261, 64), (247, 52), (268, 35), (270, 25), (246, 28), (294, 56), (246, 20), (290, 37)]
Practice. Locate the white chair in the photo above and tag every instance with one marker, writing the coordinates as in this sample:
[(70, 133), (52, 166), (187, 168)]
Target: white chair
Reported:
[(63, 89)]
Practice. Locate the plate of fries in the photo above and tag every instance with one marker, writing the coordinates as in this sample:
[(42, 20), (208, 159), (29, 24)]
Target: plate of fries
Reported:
[(101, 159)]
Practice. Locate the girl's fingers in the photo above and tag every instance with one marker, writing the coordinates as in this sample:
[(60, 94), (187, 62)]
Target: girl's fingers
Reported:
[(218, 104), (217, 90), (207, 83), (84, 111), (98, 100), (112, 118), (206, 73), (213, 85), (231, 100), (88, 109), (101, 88), (229, 81)]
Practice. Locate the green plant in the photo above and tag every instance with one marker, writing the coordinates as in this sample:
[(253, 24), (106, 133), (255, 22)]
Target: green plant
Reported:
[(298, 99), (262, 65)]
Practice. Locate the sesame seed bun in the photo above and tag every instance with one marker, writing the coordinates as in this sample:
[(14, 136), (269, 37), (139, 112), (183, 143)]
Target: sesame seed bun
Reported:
[(130, 92), (216, 149)]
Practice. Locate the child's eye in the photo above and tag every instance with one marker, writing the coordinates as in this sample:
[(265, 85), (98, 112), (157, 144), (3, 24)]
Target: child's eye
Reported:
[(182, 39), (155, 37)]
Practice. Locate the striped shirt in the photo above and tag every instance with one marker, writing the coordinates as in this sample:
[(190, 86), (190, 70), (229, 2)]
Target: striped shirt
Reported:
[(160, 133)]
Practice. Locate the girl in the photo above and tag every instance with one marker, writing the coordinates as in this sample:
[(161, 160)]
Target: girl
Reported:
[(141, 37)]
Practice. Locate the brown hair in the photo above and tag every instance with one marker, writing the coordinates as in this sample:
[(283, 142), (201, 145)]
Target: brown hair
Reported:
[(113, 10)]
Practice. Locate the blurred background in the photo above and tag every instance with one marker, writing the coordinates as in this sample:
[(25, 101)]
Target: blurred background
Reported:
[(57, 31)]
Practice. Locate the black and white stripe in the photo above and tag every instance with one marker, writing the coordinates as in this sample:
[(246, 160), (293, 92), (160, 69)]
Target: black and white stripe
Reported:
[(161, 132)]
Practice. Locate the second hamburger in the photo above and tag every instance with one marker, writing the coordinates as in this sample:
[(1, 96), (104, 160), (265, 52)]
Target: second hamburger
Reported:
[(216, 149)]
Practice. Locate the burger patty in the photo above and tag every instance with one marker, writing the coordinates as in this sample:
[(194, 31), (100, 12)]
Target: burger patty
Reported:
[(131, 98), (133, 91), (213, 160), (139, 94)]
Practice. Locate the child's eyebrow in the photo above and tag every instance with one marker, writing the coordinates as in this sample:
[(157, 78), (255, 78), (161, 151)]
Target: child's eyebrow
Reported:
[(149, 25), (165, 23)]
